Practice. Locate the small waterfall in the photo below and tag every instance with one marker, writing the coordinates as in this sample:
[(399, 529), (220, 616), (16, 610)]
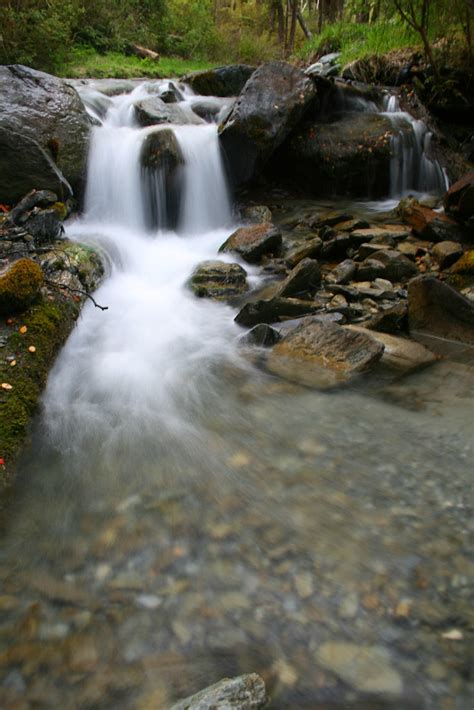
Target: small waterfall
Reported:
[(411, 168)]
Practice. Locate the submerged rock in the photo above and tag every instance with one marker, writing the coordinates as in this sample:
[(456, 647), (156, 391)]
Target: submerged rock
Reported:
[(19, 286), (269, 107), (434, 308), (218, 280), (254, 242), (45, 133), (323, 354), (221, 81), (246, 692)]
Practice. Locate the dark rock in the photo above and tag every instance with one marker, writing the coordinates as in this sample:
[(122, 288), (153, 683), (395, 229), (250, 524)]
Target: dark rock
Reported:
[(154, 111), (44, 226), (322, 354), (428, 224), (434, 308), (35, 198), (446, 253), (302, 280), (222, 81), (390, 320), (274, 310), (20, 286), (254, 242), (395, 266), (329, 219), (350, 156), (388, 69), (172, 94), (257, 214), (464, 265), (160, 149), (336, 248), (247, 692), (459, 199), (52, 122), (370, 269), (343, 272), (218, 280), (161, 158), (308, 250), (262, 335), (208, 109), (269, 107)]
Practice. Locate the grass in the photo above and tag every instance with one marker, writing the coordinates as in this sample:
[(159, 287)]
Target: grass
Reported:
[(356, 41), (85, 62)]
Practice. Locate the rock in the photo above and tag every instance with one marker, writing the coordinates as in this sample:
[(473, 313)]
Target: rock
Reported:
[(368, 669), (302, 280), (459, 199), (428, 224), (270, 106), (258, 214), (274, 310), (222, 81), (434, 308), (209, 109), (154, 111), (389, 232), (161, 156), (20, 285), (51, 119), (246, 692), (343, 272), (400, 353), (254, 242), (262, 335), (336, 247), (218, 280), (464, 265), (395, 266), (171, 95), (446, 253), (323, 354), (308, 250), (44, 226), (24, 165), (390, 320), (35, 198), (160, 149), (388, 69), (349, 156)]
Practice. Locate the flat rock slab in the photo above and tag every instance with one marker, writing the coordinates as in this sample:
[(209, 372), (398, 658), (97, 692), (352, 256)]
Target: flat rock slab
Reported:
[(254, 242), (399, 353), (274, 310), (246, 692), (437, 309), (368, 669), (322, 354)]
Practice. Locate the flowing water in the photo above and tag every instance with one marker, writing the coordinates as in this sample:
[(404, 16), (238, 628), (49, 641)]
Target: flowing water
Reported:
[(182, 516)]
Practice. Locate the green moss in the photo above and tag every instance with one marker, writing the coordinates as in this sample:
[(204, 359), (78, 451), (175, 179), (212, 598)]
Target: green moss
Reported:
[(20, 286), (47, 326)]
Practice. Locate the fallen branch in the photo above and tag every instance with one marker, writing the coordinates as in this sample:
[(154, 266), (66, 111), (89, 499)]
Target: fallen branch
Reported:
[(80, 291)]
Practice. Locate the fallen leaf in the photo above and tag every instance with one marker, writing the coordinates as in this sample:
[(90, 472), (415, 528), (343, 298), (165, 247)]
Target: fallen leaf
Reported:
[(32, 349), (6, 386), (23, 329), (2, 462), (13, 363)]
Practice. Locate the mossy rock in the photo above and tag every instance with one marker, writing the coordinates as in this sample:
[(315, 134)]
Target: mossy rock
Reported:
[(464, 265), (20, 286)]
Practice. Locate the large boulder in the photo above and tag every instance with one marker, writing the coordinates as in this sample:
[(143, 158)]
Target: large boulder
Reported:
[(348, 156), (45, 134), (459, 199), (221, 81), (322, 354), (161, 160), (154, 111), (434, 308), (251, 243), (428, 224), (271, 104)]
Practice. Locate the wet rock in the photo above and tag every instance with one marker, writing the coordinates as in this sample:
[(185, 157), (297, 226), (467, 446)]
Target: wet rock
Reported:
[(368, 669), (459, 199), (258, 214), (464, 265), (45, 133), (247, 692), (328, 219), (337, 247), (274, 310), (160, 149), (222, 81), (390, 320), (302, 280), (218, 280), (269, 107), (395, 266), (446, 253), (251, 243), (350, 156), (322, 354), (308, 250), (154, 111), (343, 272), (262, 335), (389, 232), (370, 269), (44, 226), (434, 308), (35, 198), (20, 286), (428, 224), (400, 353)]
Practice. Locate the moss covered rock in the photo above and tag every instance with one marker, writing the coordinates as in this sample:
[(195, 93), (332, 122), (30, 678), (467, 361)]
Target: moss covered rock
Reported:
[(20, 286)]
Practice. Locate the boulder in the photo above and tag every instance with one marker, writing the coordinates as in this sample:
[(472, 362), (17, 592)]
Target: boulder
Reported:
[(343, 272), (447, 253), (46, 129), (459, 199), (401, 354), (251, 243), (465, 265), (154, 111), (302, 280), (246, 692), (20, 285), (218, 280), (222, 81), (257, 214), (390, 320), (160, 149), (322, 354), (36, 198), (349, 156), (434, 308), (395, 266), (389, 69), (271, 104), (161, 158), (308, 250), (209, 109), (274, 310), (428, 224), (44, 226)]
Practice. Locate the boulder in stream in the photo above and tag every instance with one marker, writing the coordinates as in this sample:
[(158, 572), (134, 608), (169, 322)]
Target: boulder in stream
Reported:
[(246, 692), (271, 104), (221, 81), (251, 243), (218, 280), (435, 308), (428, 224), (154, 111)]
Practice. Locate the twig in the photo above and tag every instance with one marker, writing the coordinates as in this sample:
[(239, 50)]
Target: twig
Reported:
[(76, 290)]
